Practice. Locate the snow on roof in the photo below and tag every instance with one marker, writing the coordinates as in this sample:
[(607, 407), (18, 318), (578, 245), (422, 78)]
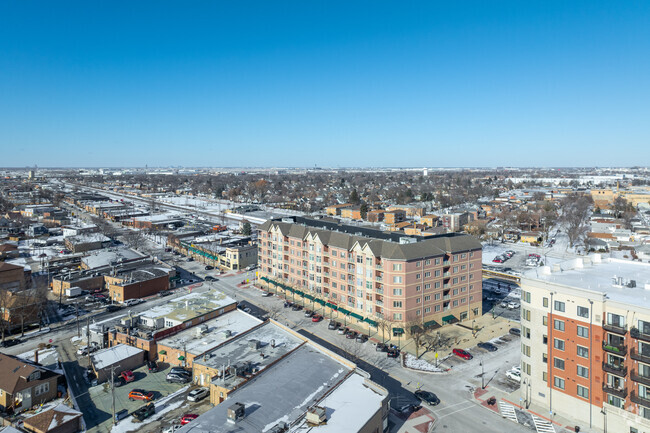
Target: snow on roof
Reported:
[(596, 274), (192, 305), (105, 257), (235, 321), (107, 357)]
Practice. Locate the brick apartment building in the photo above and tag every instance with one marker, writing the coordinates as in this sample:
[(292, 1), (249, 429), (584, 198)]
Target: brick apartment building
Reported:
[(585, 343), (369, 274)]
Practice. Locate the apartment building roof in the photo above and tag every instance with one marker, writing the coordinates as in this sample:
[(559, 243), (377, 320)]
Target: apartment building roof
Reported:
[(285, 392), (384, 244), (212, 333), (620, 280)]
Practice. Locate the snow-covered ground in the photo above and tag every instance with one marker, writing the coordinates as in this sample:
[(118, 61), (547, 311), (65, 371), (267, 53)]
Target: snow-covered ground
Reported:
[(163, 406), (411, 361), (47, 357)]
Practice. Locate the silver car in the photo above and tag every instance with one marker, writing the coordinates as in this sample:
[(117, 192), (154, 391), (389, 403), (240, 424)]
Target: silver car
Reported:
[(198, 394)]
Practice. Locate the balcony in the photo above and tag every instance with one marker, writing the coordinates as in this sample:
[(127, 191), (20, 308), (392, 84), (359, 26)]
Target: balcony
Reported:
[(378, 279), (614, 329), (613, 369), (640, 400), (446, 297), (618, 392), (640, 356), (379, 291), (446, 274), (446, 263), (615, 348), (640, 379), (635, 333), (379, 303)]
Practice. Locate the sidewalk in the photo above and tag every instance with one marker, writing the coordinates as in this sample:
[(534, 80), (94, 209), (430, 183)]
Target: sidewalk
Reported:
[(512, 407)]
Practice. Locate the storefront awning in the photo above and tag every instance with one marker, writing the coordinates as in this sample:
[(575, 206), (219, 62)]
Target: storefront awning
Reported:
[(344, 311), (356, 316), (320, 301), (162, 352), (448, 319), (430, 324), (398, 331), (181, 358), (370, 322), (335, 307), (310, 297)]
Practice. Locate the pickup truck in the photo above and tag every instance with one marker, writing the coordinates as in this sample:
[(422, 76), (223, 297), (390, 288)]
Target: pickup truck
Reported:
[(144, 412)]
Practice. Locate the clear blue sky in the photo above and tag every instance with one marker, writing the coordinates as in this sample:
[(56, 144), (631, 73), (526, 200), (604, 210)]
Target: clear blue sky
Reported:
[(350, 83)]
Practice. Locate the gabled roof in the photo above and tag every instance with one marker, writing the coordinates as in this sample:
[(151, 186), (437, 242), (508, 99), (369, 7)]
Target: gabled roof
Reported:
[(53, 418), (16, 371)]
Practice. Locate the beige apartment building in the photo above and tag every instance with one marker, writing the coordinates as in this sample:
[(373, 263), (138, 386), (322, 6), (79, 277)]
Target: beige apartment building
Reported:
[(585, 343), (371, 275)]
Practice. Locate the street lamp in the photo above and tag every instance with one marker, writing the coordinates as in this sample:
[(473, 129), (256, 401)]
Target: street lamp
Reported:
[(482, 375), (604, 412)]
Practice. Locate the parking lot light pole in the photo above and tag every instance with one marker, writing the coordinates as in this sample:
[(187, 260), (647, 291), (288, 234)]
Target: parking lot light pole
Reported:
[(482, 375)]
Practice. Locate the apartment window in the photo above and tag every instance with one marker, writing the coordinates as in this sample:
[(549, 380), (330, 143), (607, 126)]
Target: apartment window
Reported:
[(559, 306), (463, 256), (582, 352), (583, 311), (615, 320), (615, 401), (427, 286), (582, 391), (436, 284), (544, 320), (427, 262), (544, 358), (397, 316), (418, 276), (544, 376), (397, 292), (583, 331), (427, 298), (397, 266), (525, 349), (42, 388), (525, 296), (558, 325), (437, 308), (397, 304), (558, 344), (525, 314), (428, 309), (418, 264), (397, 279), (418, 300), (437, 261), (558, 363), (418, 288), (427, 274), (545, 302), (583, 371), (559, 383), (436, 296), (436, 273)]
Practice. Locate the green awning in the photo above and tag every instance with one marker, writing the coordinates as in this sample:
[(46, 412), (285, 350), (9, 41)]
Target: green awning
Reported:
[(265, 279), (344, 311), (320, 301), (335, 307), (310, 297), (181, 358), (298, 292), (430, 324), (398, 331), (447, 319), (356, 316), (162, 352), (370, 322)]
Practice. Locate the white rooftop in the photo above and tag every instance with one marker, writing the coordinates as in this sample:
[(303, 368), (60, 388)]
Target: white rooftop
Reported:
[(189, 306), (235, 321), (597, 274), (107, 357)]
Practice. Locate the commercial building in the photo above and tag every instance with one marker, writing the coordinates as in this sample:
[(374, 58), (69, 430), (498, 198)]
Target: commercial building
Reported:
[(145, 329), (12, 277), (370, 275), (139, 283), (120, 356), (586, 342), (274, 378), (86, 242)]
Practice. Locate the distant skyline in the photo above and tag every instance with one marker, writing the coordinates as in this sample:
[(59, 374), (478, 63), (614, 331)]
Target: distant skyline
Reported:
[(333, 84)]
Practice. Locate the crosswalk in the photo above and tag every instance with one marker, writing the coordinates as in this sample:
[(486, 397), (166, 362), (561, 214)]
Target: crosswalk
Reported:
[(508, 411), (543, 426)]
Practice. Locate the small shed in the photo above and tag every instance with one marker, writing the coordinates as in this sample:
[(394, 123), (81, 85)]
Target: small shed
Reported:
[(125, 356), (60, 419)]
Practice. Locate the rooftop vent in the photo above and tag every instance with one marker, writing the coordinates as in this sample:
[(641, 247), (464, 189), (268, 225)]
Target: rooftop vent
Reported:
[(407, 240), (227, 333), (316, 415), (254, 344), (236, 412), (280, 427)]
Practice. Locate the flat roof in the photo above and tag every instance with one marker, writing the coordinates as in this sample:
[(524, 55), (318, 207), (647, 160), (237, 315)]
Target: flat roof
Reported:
[(282, 394), (239, 350), (106, 257), (195, 343), (597, 274), (112, 355), (190, 306)]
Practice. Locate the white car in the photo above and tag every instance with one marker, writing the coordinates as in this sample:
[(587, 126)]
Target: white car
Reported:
[(198, 394), (514, 375), (513, 305), (172, 428), (131, 302)]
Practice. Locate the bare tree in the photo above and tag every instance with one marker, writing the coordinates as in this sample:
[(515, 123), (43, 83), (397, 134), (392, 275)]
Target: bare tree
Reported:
[(384, 325), (417, 332), (575, 213), (134, 239)]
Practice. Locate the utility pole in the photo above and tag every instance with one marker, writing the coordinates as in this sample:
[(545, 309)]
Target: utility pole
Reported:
[(88, 337), (77, 313), (113, 367)]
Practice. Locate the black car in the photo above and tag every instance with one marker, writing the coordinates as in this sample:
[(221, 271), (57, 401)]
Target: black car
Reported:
[(179, 370), (381, 347), (113, 308), (153, 366), (9, 343), (144, 412), (488, 346), (393, 353), (362, 338), (515, 331), (209, 278), (209, 268), (296, 307), (428, 397), (178, 378), (404, 406)]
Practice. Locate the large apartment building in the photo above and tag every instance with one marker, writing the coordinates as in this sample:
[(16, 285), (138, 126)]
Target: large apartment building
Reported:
[(369, 274), (586, 342)]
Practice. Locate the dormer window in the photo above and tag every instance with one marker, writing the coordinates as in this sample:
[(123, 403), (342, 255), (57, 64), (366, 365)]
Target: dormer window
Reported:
[(34, 376)]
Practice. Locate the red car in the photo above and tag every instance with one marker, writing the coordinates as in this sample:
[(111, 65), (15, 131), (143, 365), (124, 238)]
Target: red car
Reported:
[(463, 354), (316, 318), (188, 417), (128, 376), (497, 260)]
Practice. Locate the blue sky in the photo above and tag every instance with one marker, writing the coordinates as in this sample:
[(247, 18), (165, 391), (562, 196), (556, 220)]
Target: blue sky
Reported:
[(327, 83)]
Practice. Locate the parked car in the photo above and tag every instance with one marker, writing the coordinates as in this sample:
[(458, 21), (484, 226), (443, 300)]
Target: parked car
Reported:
[(132, 302), (343, 331), (188, 417), (209, 268), (515, 331), (309, 313), (190, 259), (121, 414), (172, 428), (198, 394), (10, 342), (504, 304), (428, 397), (179, 370), (152, 366), (404, 406), (333, 325), (164, 293), (514, 375), (462, 354), (296, 307), (351, 335), (393, 353), (316, 318), (381, 347), (498, 259), (362, 338), (113, 308), (209, 278), (144, 412), (85, 350), (128, 376), (513, 305), (488, 346), (178, 378), (140, 394), (119, 381)]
